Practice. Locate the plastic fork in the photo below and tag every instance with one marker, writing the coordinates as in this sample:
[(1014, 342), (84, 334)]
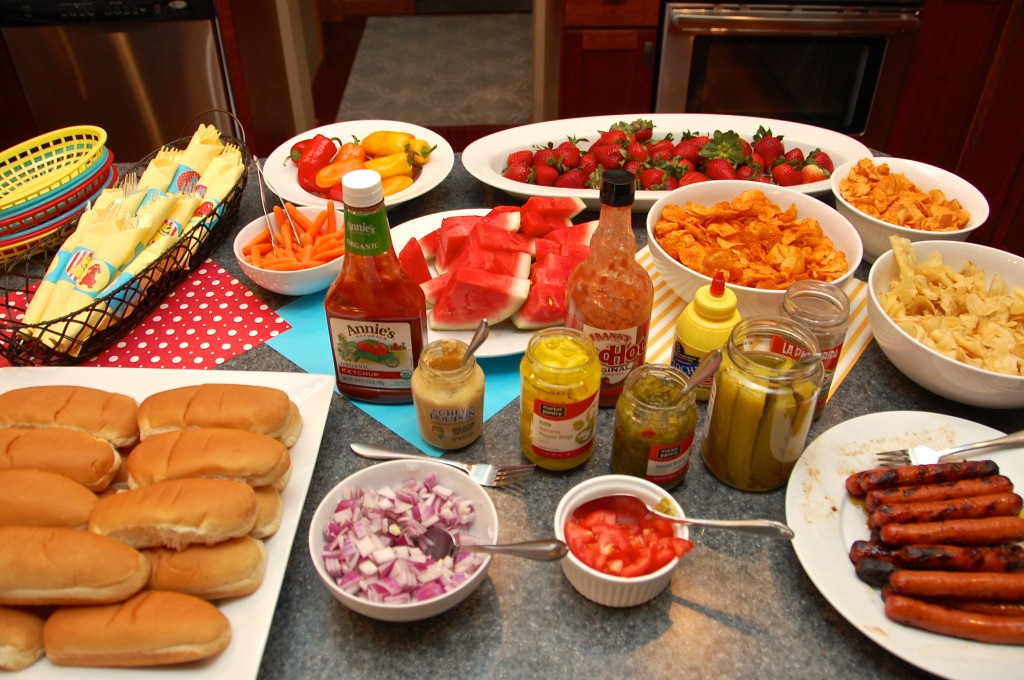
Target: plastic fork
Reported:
[(482, 473), (922, 455)]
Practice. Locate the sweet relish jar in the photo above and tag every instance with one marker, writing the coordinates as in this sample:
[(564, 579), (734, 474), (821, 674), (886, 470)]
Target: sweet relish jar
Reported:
[(762, 403)]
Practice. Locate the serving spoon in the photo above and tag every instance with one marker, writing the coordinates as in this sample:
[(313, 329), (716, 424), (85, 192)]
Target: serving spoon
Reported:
[(482, 331), (438, 544), (631, 506)]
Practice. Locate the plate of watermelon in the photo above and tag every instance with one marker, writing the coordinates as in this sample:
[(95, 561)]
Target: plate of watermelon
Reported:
[(490, 158), (508, 264)]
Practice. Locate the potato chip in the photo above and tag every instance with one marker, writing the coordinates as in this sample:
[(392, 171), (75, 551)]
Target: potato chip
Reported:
[(893, 198), (953, 311), (754, 242)]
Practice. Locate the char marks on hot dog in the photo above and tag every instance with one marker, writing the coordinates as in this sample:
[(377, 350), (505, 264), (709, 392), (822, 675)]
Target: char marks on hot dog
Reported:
[(911, 475), (986, 531), (975, 507), (962, 488)]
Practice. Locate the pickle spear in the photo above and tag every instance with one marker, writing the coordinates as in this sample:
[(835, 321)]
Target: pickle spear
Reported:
[(716, 441), (748, 410)]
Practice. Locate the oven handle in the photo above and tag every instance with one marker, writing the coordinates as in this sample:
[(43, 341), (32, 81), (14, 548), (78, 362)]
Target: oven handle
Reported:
[(760, 21)]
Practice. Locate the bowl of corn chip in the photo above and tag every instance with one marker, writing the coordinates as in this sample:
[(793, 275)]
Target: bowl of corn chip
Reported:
[(883, 197)]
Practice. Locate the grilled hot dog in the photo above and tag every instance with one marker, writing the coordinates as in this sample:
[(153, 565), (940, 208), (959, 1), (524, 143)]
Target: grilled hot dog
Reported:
[(975, 507), (963, 488), (958, 585), (866, 481), (957, 623), (987, 531), (997, 558)]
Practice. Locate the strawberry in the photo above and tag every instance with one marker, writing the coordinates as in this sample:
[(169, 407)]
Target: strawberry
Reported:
[(692, 177), (543, 156), (518, 172), (652, 179), (822, 160), (786, 175), (725, 146), (568, 154), (608, 155), (671, 183), (768, 145), (813, 173), (589, 163), (688, 149), (525, 157), (745, 172), (545, 175), (795, 156), (720, 168), (613, 136), (764, 179), (662, 150), (634, 167), (571, 179), (643, 129), (636, 152)]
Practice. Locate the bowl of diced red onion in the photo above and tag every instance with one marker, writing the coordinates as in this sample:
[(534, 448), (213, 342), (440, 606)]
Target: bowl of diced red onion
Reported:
[(363, 539)]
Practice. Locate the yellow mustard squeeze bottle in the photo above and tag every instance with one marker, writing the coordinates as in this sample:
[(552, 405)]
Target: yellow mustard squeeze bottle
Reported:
[(704, 325), (561, 377), (448, 395)]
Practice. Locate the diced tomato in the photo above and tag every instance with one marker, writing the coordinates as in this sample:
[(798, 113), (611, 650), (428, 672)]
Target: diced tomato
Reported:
[(606, 517)]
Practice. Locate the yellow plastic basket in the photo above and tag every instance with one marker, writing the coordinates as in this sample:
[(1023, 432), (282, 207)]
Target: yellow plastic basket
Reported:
[(43, 163)]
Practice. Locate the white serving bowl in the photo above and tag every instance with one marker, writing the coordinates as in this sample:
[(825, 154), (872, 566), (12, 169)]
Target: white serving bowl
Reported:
[(298, 282), (875, 233), (393, 473), (750, 301), (928, 368), (596, 586)]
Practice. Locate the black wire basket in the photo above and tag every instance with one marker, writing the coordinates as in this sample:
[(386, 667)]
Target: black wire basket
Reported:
[(88, 331)]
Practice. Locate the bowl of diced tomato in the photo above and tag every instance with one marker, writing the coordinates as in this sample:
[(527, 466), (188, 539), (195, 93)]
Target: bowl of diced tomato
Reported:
[(619, 557), (302, 254)]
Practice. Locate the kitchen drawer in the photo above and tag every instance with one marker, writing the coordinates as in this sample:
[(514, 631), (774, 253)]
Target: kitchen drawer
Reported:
[(611, 13)]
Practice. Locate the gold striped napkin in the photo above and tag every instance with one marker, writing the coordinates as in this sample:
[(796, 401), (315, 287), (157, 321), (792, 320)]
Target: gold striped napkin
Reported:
[(668, 306)]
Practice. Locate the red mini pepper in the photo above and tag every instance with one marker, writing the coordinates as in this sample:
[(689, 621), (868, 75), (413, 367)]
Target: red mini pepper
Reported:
[(295, 153), (317, 154)]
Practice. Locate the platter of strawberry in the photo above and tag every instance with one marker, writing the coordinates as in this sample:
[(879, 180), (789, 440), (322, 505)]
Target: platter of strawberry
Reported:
[(664, 151)]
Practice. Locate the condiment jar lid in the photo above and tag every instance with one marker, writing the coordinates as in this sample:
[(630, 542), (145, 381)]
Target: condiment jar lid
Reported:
[(362, 188), (715, 299), (618, 188)]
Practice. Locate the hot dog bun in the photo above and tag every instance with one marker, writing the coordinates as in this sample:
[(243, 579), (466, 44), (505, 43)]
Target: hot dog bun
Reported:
[(213, 572), (88, 460), (107, 415), (21, 638), (214, 452), (152, 628), (43, 499), (177, 513), (269, 508), (57, 566), (264, 410)]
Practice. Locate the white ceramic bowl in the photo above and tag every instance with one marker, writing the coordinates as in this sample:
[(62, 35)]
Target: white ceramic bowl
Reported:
[(928, 368), (298, 282), (605, 589), (750, 301), (875, 233), (393, 473)]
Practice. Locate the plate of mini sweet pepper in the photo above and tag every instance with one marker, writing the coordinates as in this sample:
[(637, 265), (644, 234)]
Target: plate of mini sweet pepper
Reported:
[(307, 169)]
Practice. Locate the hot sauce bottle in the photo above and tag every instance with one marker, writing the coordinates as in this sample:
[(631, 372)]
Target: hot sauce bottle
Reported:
[(609, 295), (376, 315)]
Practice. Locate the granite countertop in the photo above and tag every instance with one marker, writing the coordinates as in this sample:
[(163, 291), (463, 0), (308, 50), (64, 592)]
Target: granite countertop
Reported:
[(739, 606)]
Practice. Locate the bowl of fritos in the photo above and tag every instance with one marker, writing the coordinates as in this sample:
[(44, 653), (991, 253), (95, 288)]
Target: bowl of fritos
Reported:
[(950, 316), (301, 254), (762, 237), (883, 197)]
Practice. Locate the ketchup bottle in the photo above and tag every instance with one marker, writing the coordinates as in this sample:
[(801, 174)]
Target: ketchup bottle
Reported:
[(376, 314), (609, 295)]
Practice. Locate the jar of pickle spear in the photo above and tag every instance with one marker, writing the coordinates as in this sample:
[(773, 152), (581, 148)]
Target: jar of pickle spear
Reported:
[(655, 420), (561, 376), (762, 403)]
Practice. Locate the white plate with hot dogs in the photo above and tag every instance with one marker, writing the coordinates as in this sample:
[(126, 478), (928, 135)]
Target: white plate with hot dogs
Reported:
[(827, 522)]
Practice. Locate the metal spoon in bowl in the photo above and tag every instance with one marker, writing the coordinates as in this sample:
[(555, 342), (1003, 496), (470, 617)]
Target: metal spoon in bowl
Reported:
[(631, 506), (481, 333), (438, 544)]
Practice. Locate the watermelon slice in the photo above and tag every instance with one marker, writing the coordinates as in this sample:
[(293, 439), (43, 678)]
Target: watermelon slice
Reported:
[(541, 224), (544, 306), (412, 261), (429, 242), (500, 261), (485, 235), (543, 247), (556, 206), (474, 294), (503, 218), (454, 232), (432, 288), (581, 233), (576, 251)]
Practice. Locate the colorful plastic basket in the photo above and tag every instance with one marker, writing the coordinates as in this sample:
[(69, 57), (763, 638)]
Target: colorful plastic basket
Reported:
[(44, 163)]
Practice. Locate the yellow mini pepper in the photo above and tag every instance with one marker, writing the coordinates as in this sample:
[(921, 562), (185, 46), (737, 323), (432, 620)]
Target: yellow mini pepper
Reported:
[(386, 142), (391, 165), (419, 150)]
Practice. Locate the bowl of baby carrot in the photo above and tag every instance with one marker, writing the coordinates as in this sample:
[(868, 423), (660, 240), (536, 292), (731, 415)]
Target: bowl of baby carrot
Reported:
[(298, 252)]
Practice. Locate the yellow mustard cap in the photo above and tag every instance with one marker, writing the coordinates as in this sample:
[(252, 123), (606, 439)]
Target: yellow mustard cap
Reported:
[(715, 300)]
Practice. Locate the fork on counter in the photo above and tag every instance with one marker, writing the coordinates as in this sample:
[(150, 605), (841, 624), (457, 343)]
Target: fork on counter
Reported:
[(483, 473), (921, 455)]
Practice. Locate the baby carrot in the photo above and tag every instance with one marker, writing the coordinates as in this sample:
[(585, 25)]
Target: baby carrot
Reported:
[(302, 223), (332, 217)]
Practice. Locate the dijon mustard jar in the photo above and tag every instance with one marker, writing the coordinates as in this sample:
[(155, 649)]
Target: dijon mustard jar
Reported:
[(448, 393)]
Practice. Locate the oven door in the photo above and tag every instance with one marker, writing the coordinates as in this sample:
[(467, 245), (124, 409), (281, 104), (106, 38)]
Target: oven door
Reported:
[(837, 67)]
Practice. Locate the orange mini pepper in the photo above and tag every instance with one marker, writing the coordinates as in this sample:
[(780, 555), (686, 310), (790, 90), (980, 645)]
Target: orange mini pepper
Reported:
[(331, 175)]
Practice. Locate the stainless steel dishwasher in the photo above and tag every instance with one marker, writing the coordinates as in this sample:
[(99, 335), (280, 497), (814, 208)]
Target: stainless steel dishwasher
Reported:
[(141, 70)]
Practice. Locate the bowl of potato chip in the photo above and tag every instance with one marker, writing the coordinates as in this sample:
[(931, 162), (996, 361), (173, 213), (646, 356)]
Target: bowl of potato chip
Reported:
[(883, 197), (950, 316), (763, 238)]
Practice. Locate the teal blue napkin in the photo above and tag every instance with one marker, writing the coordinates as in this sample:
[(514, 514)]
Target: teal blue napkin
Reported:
[(308, 346)]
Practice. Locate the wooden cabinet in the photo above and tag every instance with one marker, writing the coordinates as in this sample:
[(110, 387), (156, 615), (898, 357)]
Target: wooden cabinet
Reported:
[(607, 52), (962, 102)]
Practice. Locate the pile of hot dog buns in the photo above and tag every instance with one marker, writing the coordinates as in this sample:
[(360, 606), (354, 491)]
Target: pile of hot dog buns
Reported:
[(121, 522), (943, 548)]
